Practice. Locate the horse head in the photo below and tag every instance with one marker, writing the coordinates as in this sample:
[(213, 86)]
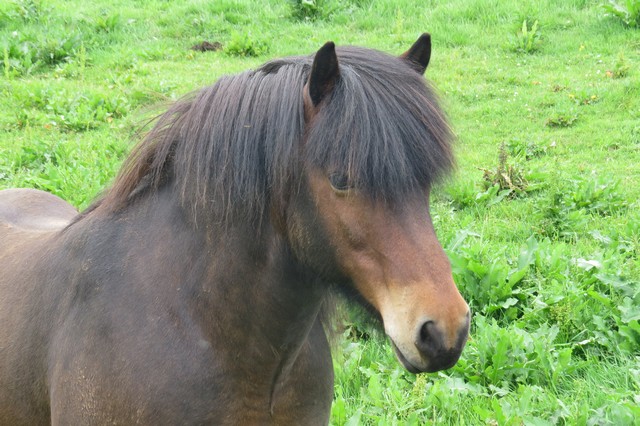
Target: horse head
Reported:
[(382, 244)]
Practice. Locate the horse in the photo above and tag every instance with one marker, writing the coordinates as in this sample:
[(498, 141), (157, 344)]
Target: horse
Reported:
[(193, 290)]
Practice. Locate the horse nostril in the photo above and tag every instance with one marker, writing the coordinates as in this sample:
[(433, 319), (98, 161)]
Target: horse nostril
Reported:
[(425, 333), (434, 348), (429, 339)]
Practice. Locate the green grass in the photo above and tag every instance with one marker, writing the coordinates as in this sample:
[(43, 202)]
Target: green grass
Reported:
[(550, 266)]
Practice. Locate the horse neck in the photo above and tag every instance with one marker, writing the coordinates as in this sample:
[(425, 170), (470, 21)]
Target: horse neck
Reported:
[(256, 286), (242, 286)]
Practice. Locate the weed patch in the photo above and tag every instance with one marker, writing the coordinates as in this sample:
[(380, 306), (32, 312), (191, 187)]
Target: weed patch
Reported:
[(24, 55), (493, 284), (583, 98), (244, 44), (26, 11), (566, 213), (628, 11), (620, 69), (78, 112), (527, 40), (505, 357), (523, 149), (108, 23), (561, 120), (311, 10), (508, 179), (306, 9)]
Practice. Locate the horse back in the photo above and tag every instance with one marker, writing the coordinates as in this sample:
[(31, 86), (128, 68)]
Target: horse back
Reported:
[(29, 220), (31, 209)]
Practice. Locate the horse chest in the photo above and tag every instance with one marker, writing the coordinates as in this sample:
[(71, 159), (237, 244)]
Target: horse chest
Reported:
[(186, 384)]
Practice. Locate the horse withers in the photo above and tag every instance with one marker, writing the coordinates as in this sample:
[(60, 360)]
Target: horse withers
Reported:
[(192, 292)]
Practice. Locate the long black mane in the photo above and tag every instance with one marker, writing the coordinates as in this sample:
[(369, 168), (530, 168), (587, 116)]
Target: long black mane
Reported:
[(241, 144)]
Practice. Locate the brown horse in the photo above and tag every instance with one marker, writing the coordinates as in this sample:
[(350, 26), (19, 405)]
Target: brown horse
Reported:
[(192, 291)]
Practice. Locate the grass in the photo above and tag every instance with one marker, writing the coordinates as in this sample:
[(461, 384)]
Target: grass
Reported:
[(541, 220)]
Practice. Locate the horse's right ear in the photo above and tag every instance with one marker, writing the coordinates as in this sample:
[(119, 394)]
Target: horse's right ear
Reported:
[(324, 73), (419, 54)]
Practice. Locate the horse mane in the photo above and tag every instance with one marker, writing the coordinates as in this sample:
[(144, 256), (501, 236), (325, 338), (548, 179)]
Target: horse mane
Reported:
[(239, 145)]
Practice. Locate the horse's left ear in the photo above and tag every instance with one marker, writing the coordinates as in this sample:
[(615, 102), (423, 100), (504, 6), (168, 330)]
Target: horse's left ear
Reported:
[(419, 54), (324, 73)]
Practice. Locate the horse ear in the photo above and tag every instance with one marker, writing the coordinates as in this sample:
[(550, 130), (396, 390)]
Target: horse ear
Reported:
[(419, 54), (324, 73)]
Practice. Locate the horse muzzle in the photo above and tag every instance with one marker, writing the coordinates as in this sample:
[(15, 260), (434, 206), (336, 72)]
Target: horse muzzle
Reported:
[(430, 349)]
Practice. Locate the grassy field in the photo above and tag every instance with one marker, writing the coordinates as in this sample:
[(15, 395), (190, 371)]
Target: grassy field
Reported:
[(541, 220)]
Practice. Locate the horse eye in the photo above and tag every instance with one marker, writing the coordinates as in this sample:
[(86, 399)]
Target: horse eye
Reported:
[(340, 182)]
